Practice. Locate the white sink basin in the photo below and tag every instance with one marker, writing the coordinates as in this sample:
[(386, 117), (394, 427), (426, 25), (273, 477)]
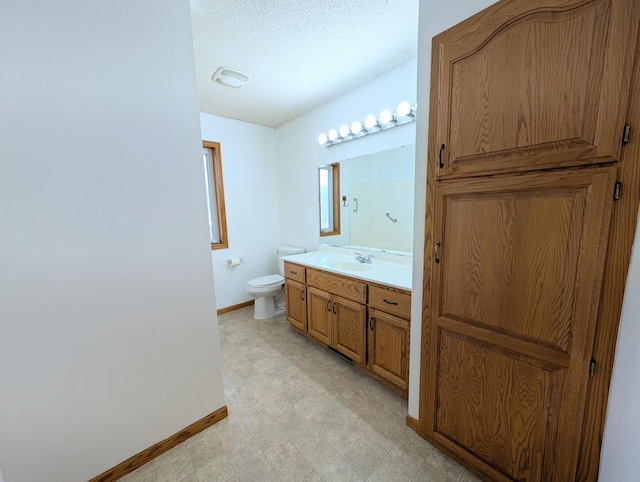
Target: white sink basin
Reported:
[(348, 265)]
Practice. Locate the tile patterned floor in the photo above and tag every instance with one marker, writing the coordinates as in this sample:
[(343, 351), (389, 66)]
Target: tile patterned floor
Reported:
[(298, 412)]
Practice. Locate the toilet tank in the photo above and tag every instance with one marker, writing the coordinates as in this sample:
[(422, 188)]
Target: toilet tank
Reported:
[(287, 251)]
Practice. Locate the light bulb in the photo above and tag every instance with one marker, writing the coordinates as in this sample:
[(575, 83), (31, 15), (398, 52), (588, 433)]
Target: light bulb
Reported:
[(370, 121), (322, 139), (386, 117), (333, 135), (344, 131), (356, 128), (404, 109)]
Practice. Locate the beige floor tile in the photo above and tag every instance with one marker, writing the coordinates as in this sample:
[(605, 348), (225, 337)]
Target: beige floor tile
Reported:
[(342, 472), (289, 419), (380, 441), (218, 469), (386, 473), (405, 462), (146, 473), (299, 471), (342, 439), (445, 465), (428, 473), (175, 469), (303, 436), (362, 458), (255, 470), (322, 456), (308, 406), (202, 452), (281, 454)]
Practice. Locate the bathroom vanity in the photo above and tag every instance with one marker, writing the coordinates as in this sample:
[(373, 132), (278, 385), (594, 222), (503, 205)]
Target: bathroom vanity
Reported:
[(360, 310)]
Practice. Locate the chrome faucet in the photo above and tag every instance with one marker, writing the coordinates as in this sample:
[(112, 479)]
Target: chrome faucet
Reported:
[(364, 259)]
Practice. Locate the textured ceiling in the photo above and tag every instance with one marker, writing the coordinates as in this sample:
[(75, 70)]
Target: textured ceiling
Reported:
[(299, 53)]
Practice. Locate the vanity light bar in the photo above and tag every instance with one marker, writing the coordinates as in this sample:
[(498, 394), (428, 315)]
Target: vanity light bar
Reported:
[(404, 114)]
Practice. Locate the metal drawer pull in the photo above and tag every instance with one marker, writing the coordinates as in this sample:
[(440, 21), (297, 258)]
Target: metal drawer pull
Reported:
[(440, 156), (389, 302), (437, 259), (371, 323), (329, 306), (293, 272), (334, 308), (302, 295)]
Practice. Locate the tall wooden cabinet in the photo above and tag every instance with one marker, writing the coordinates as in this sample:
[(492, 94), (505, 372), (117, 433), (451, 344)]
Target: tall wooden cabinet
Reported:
[(528, 105)]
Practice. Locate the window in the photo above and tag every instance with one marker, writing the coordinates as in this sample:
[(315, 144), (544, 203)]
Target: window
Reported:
[(215, 194), (329, 199)]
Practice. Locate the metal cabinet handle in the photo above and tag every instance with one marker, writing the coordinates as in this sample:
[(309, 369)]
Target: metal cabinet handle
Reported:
[(301, 295), (293, 272), (371, 319), (437, 259), (334, 309), (329, 306), (440, 156), (389, 302)]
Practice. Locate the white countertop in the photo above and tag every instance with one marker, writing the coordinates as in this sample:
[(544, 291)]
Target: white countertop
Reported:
[(384, 269)]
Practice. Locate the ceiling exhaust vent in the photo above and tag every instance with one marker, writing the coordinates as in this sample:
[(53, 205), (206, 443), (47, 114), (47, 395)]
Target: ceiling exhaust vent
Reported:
[(230, 77)]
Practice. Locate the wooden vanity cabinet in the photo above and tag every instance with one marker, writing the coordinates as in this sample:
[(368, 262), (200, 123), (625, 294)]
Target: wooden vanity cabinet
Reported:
[(337, 314), (333, 309), (295, 295), (389, 334)]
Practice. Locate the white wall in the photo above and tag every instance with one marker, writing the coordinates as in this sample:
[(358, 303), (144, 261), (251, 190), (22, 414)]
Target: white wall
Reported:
[(434, 18), (251, 199), (299, 153), (621, 444), (108, 334)]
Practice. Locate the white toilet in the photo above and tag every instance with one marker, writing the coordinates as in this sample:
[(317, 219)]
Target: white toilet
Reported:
[(268, 291)]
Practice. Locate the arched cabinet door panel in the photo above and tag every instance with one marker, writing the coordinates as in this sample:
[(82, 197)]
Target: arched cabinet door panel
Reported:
[(528, 85)]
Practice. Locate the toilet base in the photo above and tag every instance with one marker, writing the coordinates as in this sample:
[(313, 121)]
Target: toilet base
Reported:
[(264, 308)]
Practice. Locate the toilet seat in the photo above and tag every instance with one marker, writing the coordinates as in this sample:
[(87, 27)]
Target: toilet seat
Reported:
[(265, 283)]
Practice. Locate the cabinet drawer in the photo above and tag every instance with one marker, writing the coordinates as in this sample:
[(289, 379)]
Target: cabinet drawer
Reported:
[(294, 272), (390, 301), (346, 287)]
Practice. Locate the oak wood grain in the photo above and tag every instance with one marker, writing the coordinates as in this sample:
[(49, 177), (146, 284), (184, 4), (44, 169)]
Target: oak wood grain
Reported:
[(392, 301), (343, 286), (389, 347), (296, 303), (319, 315), (294, 272), (349, 328), (537, 86), (533, 85)]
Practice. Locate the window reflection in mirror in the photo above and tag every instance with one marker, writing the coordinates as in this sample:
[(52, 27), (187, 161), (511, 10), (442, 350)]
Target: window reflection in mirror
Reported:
[(372, 186), (329, 184)]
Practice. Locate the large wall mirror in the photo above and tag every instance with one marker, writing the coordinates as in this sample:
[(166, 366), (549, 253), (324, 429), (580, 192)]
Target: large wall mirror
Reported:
[(376, 202)]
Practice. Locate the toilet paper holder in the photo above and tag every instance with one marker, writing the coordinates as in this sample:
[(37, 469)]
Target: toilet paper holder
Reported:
[(234, 260)]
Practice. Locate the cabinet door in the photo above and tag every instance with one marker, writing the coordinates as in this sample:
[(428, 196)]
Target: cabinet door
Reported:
[(532, 84), (389, 347), (296, 304), (320, 315), (514, 306), (349, 328)]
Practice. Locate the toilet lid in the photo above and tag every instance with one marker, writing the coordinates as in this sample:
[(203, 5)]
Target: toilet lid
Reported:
[(270, 279)]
